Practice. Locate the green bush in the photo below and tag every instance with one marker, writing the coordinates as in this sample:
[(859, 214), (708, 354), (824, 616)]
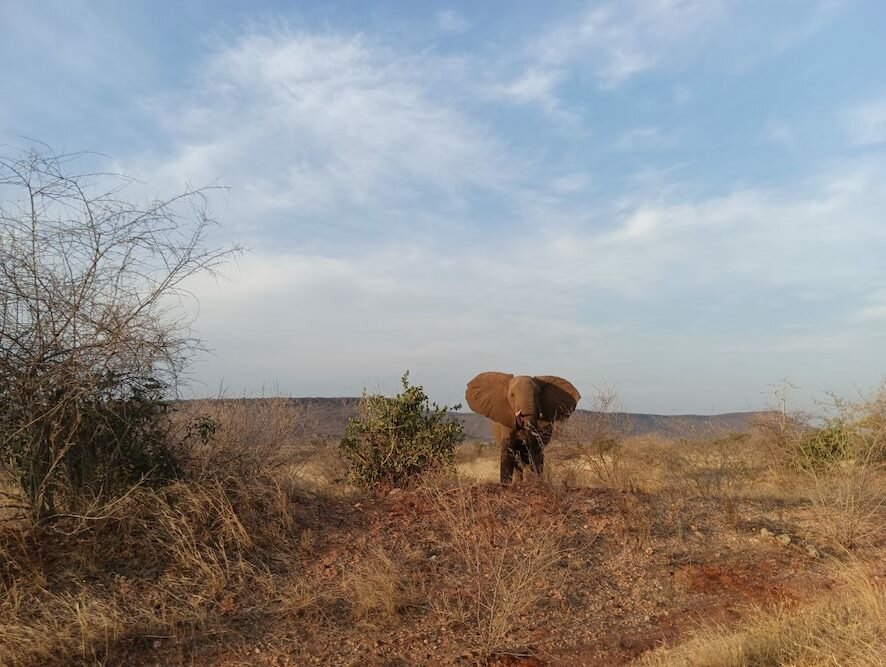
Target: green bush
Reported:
[(825, 446), (394, 440)]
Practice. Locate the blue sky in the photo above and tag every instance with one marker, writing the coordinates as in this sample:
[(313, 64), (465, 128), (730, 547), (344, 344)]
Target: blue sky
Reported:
[(682, 198)]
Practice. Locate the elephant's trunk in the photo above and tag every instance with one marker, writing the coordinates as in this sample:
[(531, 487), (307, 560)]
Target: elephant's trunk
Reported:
[(527, 420)]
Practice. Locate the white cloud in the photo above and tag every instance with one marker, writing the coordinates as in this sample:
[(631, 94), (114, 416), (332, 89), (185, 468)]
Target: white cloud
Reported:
[(645, 138), (315, 324), (823, 238), (537, 301), (450, 20), (571, 183), (618, 40), (325, 128), (780, 133), (469, 257), (875, 308), (866, 123), (534, 85), (815, 14)]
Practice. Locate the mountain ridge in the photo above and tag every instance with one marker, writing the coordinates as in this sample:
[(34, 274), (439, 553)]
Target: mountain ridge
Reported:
[(329, 415)]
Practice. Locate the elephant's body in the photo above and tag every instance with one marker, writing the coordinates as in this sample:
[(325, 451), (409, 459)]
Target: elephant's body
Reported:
[(523, 410)]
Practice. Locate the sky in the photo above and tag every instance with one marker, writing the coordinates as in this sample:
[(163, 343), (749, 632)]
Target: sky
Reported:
[(683, 199)]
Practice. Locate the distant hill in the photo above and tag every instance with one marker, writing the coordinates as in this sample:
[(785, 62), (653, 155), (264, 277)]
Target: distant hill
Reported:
[(478, 427), (329, 416)]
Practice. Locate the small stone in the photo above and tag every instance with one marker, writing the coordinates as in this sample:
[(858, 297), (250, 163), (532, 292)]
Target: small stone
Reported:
[(765, 532), (395, 491), (812, 551), (784, 538), (156, 643)]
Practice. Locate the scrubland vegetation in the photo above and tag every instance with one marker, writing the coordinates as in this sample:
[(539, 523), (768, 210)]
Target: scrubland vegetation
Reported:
[(138, 530), (659, 550)]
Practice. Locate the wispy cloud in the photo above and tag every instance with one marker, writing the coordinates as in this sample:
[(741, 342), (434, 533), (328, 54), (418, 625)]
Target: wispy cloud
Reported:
[(618, 40), (450, 20), (815, 16), (780, 133), (866, 123), (533, 85), (875, 308), (644, 139), (326, 128)]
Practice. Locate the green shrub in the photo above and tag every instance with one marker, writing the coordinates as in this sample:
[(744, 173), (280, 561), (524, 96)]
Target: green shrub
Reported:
[(825, 446), (394, 440)]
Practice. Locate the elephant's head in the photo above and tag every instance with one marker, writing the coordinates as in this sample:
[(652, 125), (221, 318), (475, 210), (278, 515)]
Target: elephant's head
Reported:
[(521, 401)]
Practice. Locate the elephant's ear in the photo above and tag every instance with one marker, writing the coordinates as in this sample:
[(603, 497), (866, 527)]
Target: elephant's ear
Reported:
[(487, 394), (558, 397)]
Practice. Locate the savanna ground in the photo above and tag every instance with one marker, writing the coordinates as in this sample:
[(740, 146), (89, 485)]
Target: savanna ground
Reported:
[(707, 549)]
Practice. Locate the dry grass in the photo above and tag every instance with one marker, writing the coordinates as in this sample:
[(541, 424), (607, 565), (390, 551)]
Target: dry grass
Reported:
[(381, 588), (163, 566), (228, 556), (847, 628), (241, 436), (508, 568), (849, 504), (166, 565)]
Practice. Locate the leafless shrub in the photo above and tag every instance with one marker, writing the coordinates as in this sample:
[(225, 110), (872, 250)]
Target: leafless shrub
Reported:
[(593, 441), (242, 436), (709, 466), (780, 429), (90, 333)]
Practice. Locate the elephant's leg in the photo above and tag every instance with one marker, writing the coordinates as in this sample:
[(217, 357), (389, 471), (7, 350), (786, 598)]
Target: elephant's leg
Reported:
[(508, 462)]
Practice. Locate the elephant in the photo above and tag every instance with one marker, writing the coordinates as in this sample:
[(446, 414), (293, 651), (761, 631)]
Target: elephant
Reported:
[(523, 409)]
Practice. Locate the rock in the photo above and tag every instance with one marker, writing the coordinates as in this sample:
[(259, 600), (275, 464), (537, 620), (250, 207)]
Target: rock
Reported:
[(812, 551), (784, 538), (765, 532), (395, 491), (156, 643)]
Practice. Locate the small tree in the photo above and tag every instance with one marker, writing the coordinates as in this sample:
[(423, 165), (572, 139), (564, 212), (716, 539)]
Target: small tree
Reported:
[(394, 440), (91, 338)]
